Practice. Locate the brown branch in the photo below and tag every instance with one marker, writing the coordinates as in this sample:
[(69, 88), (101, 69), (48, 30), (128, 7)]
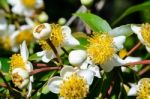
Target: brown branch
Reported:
[(40, 65), (139, 62), (55, 51), (36, 71), (144, 70), (3, 85), (134, 48)]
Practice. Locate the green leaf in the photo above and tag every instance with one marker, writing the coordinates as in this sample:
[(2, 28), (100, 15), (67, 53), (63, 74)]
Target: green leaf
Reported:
[(5, 64), (96, 23), (34, 57), (124, 30), (4, 4), (139, 7)]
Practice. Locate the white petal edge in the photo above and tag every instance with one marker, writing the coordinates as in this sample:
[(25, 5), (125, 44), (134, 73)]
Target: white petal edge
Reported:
[(66, 71), (148, 48), (24, 51), (118, 41), (113, 62), (133, 90), (136, 30), (54, 84), (69, 40), (47, 56), (76, 57), (96, 70), (88, 75), (29, 89)]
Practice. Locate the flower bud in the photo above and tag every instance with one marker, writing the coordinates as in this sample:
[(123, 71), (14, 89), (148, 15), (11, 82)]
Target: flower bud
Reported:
[(86, 2), (77, 57), (20, 77), (61, 21), (43, 17), (42, 31)]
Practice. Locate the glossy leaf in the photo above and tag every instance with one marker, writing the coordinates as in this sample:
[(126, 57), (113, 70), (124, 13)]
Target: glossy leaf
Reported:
[(96, 23), (131, 10)]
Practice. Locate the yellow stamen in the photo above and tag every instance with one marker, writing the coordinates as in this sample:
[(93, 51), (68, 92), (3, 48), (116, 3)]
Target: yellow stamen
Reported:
[(101, 48), (74, 87), (56, 35), (17, 62), (123, 53), (17, 79), (144, 89), (24, 35), (29, 3), (44, 45), (145, 32)]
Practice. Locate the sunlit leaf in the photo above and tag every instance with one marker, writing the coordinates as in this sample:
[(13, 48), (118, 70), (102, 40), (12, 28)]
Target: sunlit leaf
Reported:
[(96, 23)]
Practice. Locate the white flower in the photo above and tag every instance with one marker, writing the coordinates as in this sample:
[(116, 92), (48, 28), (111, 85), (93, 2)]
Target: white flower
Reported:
[(71, 83), (143, 34), (24, 33), (21, 61), (141, 90), (20, 77), (58, 35), (42, 31), (101, 51), (25, 7), (79, 58)]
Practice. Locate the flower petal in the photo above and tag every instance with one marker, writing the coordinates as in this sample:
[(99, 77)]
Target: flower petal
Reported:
[(87, 74), (29, 89), (110, 64), (96, 70), (132, 59), (148, 48), (66, 71), (136, 30), (69, 40), (48, 56), (119, 40), (24, 51), (77, 57), (54, 84), (133, 90)]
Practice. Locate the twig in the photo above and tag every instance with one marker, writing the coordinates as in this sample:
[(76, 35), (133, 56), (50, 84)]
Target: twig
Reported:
[(139, 62), (40, 65), (3, 85), (36, 71), (134, 48), (55, 51), (65, 51), (144, 70), (81, 9)]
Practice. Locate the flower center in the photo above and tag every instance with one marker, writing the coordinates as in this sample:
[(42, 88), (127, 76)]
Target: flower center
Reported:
[(145, 32), (101, 48), (144, 89), (74, 87), (17, 62), (56, 35), (29, 3), (44, 45), (24, 35), (17, 79)]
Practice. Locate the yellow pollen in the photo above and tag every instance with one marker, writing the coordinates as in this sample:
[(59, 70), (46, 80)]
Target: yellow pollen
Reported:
[(145, 32), (101, 48), (74, 87), (144, 89), (29, 3), (24, 35), (56, 35), (44, 45), (17, 79), (17, 62)]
